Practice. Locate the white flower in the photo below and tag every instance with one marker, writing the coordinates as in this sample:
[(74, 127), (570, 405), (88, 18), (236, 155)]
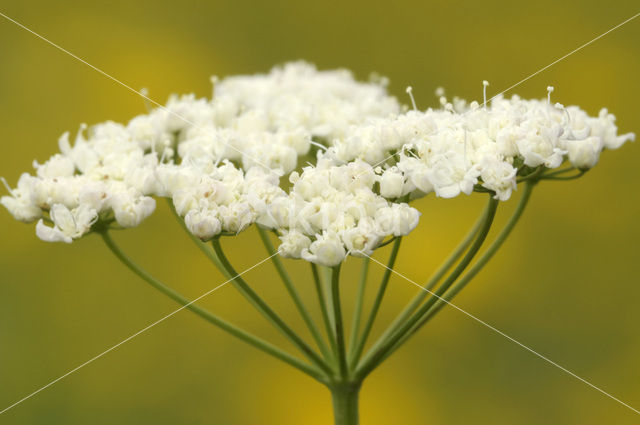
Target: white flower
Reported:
[(293, 243), (68, 224), (57, 166), (203, 224), (450, 176), (605, 128), (538, 150), (392, 183), (363, 239), (397, 219), (20, 209), (236, 217), (584, 153), (20, 203), (130, 210), (499, 176), (327, 250)]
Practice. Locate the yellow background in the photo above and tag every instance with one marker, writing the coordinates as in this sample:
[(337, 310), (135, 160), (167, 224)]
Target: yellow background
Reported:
[(566, 283)]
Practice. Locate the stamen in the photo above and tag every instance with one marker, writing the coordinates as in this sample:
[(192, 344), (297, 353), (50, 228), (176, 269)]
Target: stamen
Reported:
[(549, 91), (413, 101), (465, 146), (485, 84), (561, 106), (164, 152), (214, 80), (80, 134), (4, 182), (318, 145), (144, 92)]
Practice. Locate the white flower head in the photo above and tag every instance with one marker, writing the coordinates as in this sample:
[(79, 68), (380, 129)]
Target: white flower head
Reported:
[(325, 161)]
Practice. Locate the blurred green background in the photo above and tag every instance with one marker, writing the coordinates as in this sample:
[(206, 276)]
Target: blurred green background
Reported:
[(566, 283)]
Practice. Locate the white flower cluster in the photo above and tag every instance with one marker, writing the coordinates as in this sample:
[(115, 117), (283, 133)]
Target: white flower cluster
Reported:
[(224, 161), (450, 150), (333, 210)]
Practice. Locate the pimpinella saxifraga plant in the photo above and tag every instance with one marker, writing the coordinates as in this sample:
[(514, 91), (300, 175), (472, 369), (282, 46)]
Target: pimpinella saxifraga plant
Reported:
[(329, 166)]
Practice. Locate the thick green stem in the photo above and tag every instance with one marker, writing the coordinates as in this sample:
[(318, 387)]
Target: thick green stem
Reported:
[(357, 311), (354, 356), (210, 317), (339, 327), (435, 278), (268, 312), (378, 352), (345, 403), (291, 289)]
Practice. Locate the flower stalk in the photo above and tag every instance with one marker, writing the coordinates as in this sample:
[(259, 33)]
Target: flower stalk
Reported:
[(338, 323), (293, 293), (357, 309), (210, 317), (324, 310), (377, 353), (362, 340), (437, 276), (268, 312)]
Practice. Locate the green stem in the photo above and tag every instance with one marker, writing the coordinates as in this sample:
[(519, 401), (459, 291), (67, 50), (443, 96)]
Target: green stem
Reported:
[(435, 278), (210, 317), (354, 356), (326, 282), (534, 176), (575, 176), (322, 301), (378, 351), (339, 327), (560, 171), (291, 289), (267, 312), (357, 312), (475, 269), (345, 403), (484, 259)]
